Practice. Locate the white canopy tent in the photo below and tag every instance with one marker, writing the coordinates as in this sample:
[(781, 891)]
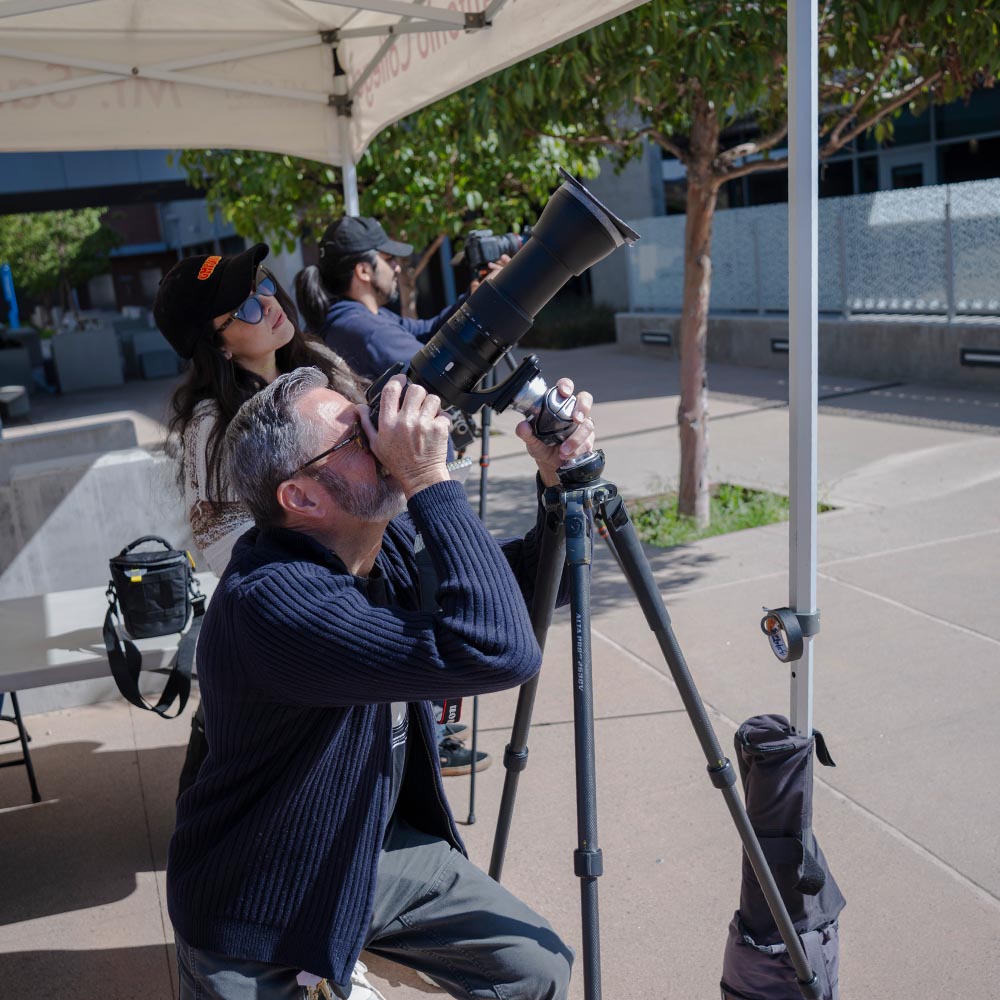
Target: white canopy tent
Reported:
[(263, 74)]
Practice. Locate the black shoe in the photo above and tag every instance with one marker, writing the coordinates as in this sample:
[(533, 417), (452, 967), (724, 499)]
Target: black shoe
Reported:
[(455, 759)]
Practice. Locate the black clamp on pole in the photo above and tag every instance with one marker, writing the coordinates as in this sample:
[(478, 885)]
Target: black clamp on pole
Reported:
[(787, 630), (588, 864), (515, 760)]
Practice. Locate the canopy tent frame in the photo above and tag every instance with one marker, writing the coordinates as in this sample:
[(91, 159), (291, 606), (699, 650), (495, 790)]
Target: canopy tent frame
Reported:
[(339, 89)]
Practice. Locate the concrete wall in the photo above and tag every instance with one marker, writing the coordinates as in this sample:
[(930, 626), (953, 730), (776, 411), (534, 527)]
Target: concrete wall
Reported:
[(884, 349), (110, 435), (62, 519)]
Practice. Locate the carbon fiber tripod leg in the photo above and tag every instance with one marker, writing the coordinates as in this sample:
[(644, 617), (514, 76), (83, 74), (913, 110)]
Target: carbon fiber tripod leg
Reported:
[(551, 559)]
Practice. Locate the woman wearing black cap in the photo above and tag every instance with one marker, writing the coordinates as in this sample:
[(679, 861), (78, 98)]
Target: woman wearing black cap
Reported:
[(237, 326), (233, 321)]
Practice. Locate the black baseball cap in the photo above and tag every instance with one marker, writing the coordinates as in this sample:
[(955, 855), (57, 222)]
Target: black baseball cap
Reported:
[(197, 289), (353, 234)]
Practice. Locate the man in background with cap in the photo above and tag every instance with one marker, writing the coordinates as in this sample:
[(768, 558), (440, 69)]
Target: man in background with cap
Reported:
[(345, 299)]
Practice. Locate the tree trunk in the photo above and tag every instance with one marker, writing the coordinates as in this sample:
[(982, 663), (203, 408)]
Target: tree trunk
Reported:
[(692, 412)]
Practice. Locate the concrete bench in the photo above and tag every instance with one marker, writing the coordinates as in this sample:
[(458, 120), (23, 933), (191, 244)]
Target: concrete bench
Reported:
[(87, 359), (14, 402)]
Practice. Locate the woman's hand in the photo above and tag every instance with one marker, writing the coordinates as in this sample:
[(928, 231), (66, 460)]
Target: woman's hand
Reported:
[(549, 458)]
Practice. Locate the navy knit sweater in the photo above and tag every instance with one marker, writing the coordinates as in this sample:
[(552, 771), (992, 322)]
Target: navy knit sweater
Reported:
[(275, 852), (372, 342)]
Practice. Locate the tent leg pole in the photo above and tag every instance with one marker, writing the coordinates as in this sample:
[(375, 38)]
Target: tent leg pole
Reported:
[(351, 204), (349, 170), (803, 335)]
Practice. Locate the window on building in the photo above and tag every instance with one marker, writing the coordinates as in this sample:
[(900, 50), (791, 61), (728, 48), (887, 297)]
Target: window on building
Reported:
[(867, 174), (674, 185), (981, 113), (866, 141), (767, 187), (732, 194), (972, 160), (907, 175), (908, 129), (836, 178), (197, 249), (675, 197)]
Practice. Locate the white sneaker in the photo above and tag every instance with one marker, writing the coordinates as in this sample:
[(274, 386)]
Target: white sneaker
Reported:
[(361, 989)]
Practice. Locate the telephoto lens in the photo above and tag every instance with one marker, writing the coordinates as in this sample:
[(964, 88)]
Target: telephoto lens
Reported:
[(573, 232)]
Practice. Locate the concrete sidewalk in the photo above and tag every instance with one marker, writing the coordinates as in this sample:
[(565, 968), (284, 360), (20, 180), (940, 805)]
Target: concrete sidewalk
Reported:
[(907, 694)]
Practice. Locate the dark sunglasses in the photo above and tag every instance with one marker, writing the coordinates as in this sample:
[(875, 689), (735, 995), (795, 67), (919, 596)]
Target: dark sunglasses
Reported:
[(357, 435), (251, 310)]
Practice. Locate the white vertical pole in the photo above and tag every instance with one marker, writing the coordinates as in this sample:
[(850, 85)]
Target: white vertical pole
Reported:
[(351, 204), (803, 335), (349, 169)]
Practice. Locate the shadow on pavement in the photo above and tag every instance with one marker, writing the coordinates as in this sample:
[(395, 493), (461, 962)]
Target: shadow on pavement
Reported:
[(111, 974), (509, 513), (83, 845)]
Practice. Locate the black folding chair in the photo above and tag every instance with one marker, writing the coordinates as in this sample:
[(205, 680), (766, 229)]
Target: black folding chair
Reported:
[(23, 738)]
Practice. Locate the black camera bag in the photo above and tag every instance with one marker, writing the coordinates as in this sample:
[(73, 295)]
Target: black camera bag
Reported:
[(776, 766), (156, 593)]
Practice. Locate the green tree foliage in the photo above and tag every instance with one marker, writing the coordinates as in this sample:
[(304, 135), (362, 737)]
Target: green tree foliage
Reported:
[(51, 252), (426, 177), (706, 81)]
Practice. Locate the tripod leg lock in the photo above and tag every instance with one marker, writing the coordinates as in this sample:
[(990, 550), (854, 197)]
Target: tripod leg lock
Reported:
[(722, 774), (811, 990), (588, 864), (515, 760)]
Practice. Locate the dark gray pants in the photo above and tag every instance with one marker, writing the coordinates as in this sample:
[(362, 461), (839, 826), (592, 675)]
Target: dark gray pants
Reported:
[(435, 911)]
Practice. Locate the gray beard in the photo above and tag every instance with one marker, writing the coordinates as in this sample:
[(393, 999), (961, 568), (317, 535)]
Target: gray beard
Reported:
[(371, 502), (393, 300)]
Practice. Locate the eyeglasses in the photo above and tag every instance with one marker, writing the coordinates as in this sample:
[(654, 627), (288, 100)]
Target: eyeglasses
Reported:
[(357, 435), (251, 310)]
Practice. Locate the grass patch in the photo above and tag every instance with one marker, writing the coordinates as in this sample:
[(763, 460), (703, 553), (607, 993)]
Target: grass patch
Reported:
[(732, 507)]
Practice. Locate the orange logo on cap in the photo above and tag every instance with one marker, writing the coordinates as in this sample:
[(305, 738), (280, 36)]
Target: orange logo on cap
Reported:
[(207, 268)]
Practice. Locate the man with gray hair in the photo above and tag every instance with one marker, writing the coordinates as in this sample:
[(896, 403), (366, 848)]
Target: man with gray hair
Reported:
[(318, 825)]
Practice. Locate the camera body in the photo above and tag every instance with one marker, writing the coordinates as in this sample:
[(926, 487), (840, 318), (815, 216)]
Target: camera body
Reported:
[(482, 247)]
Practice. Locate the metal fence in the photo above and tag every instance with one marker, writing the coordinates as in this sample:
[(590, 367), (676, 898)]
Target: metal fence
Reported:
[(928, 250)]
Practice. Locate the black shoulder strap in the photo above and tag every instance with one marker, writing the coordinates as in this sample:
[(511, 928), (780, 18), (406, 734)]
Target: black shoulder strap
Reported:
[(125, 659), (427, 574)]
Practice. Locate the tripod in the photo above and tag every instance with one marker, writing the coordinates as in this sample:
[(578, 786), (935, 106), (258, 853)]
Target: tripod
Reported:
[(583, 492)]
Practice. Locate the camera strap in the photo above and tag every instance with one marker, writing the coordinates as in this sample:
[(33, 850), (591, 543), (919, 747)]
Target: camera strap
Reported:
[(125, 659), (451, 710)]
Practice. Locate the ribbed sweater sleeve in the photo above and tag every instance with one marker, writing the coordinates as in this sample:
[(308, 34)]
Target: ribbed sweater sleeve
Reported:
[(309, 636)]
